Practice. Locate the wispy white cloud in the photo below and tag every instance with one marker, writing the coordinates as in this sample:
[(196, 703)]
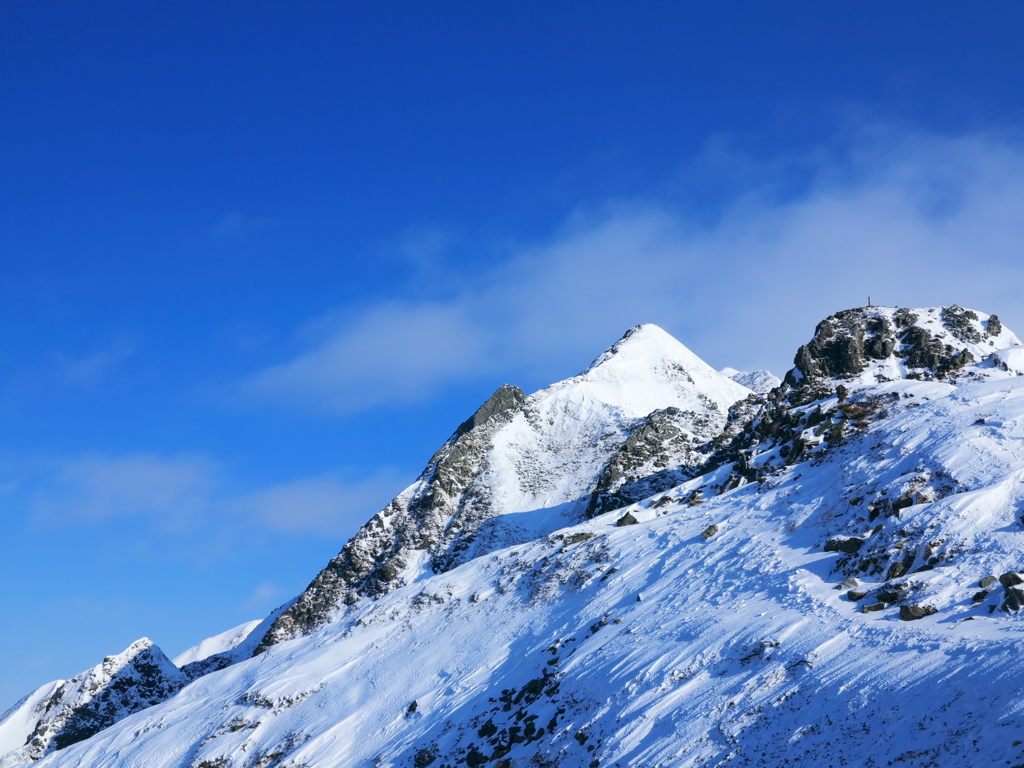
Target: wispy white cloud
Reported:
[(904, 218), (190, 493), (264, 597), (89, 370), (95, 488), (323, 504), (392, 352)]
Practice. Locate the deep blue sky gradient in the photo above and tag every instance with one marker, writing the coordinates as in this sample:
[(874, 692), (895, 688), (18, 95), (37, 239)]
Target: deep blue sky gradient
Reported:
[(192, 193)]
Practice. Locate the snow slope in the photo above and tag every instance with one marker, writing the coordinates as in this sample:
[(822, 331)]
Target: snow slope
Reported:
[(221, 643), (648, 645), (838, 588)]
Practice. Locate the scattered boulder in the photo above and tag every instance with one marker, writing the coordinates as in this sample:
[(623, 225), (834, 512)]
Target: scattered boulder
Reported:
[(1014, 600), (848, 583), (626, 519), (987, 582), (895, 570), (1010, 579), (855, 595), (994, 327), (708, 532), (849, 546), (873, 607), (915, 612)]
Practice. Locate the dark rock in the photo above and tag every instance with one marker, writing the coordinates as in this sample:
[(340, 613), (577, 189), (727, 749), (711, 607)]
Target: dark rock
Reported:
[(898, 569), (855, 595), (1014, 599), (424, 757), (1010, 579), (889, 596), (987, 582), (708, 532), (660, 452), (850, 546), (626, 519), (914, 612), (979, 597), (880, 348), (908, 499), (873, 607), (993, 327), (921, 350), (371, 562), (136, 679), (904, 317), (848, 583), (506, 398), (895, 571), (962, 323), (487, 729)]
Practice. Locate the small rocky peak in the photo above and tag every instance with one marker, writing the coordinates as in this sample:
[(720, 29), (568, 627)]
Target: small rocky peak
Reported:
[(122, 684), (506, 398), (879, 343)]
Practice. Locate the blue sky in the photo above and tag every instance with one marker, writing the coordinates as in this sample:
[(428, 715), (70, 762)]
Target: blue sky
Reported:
[(259, 259)]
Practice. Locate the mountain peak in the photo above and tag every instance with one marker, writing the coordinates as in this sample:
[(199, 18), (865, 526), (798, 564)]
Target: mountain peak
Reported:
[(644, 344), (648, 369)]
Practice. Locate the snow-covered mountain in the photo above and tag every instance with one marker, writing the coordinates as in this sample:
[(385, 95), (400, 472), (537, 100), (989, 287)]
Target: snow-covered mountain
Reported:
[(761, 382), (522, 467), (67, 711), (648, 565)]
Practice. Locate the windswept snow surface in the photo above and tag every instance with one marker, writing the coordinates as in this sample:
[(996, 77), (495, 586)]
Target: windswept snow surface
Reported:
[(651, 645), (221, 643), (18, 723)]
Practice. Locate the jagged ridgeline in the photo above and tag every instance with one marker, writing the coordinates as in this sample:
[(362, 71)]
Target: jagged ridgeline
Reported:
[(69, 711), (521, 467), (609, 526)]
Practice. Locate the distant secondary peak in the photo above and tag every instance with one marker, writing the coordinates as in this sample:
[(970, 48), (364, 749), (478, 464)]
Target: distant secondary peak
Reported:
[(762, 382)]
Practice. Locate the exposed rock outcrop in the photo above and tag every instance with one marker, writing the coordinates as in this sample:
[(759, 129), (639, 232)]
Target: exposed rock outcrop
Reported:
[(75, 709)]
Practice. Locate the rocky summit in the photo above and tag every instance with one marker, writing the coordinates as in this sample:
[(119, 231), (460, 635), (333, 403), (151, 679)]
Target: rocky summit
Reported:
[(652, 563)]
